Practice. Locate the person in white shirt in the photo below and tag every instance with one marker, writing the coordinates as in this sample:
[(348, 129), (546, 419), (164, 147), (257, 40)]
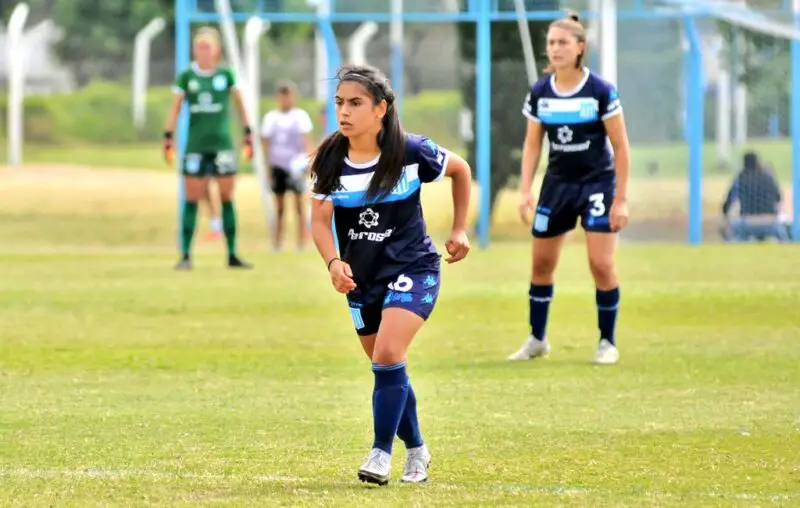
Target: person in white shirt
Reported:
[(286, 136)]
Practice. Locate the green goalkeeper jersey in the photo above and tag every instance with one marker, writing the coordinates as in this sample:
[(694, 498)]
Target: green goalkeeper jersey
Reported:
[(208, 95)]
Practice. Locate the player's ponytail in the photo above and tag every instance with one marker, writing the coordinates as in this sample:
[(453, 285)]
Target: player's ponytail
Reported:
[(572, 24), (326, 164), (392, 141)]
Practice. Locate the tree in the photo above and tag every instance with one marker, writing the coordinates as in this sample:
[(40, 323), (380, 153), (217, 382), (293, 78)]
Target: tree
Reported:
[(99, 36), (509, 87), (764, 64)]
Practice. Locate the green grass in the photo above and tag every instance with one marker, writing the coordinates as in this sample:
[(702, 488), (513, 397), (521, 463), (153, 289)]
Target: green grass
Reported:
[(124, 383), (672, 158)]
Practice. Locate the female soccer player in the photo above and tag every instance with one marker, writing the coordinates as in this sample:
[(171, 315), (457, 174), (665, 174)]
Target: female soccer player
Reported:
[(370, 173), (580, 112), (209, 149)]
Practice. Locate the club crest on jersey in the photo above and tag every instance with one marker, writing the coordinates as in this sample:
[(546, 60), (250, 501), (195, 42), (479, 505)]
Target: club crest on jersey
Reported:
[(368, 218), (220, 82), (564, 134)]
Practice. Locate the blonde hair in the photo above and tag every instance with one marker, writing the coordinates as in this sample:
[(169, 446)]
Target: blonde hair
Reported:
[(572, 24), (209, 34)]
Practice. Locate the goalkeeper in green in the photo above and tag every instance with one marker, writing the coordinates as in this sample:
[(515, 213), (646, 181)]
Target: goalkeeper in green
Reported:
[(209, 152)]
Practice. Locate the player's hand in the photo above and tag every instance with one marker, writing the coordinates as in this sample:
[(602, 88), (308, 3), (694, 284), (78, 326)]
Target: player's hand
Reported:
[(169, 148), (342, 276), (618, 216), (525, 207), (247, 144), (457, 246)]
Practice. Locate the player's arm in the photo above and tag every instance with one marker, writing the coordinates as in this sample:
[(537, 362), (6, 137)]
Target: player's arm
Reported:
[(307, 127), (172, 118), (531, 153), (321, 227), (322, 234), (238, 98), (174, 111), (730, 197), (436, 163), (460, 173), (266, 133), (618, 135)]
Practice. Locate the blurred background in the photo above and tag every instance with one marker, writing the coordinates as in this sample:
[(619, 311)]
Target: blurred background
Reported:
[(87, 151)]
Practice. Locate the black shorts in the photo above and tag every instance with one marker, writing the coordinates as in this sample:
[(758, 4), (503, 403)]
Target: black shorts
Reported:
[(562, 202), (210, 164), (283, 182), (416, 290)]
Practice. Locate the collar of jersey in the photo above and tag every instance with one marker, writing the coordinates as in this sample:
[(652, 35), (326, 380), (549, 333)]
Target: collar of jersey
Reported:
[(575, 90), (363, 165), (200, 72)]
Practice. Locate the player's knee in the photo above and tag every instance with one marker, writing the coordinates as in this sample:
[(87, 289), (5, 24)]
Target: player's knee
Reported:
[(602, 268), (544, 265), (387, 354)]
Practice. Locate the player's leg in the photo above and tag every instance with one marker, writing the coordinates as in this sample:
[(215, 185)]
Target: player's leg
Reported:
[(215, 220), (601, 245), (555, 216), (408, 430), (302, 220), (194, 183), (406, 306), (280, 186), (226, 181)]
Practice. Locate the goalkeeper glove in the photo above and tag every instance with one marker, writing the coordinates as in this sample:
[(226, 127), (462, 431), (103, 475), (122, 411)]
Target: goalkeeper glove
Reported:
[(169, 147), (247, 148)]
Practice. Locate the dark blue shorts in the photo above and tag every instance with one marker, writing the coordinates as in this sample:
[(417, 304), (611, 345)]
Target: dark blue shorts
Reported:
[(416, 290), (562, 202)]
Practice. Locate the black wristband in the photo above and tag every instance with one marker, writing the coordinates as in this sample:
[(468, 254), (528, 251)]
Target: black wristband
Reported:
[(167, 134), (247, 130), (331, 262)]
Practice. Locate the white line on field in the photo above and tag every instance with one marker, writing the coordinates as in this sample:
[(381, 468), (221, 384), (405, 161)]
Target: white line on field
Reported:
[(31, 473)]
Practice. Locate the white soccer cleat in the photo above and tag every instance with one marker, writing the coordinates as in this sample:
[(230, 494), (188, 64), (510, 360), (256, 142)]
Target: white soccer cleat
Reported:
[(417, 463), (606, 354), (531, 349), (376, 468)]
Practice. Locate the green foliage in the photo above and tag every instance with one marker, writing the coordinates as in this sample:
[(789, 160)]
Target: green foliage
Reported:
[(99, 32), (764, 66), (101, 114), (509, 87)]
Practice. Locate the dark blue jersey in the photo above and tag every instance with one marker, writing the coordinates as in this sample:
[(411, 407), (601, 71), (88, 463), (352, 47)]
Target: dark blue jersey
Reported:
[(381, 239), (579, 146)]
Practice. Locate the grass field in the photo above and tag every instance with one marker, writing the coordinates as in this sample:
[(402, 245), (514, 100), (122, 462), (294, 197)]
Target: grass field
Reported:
[(126, 384)]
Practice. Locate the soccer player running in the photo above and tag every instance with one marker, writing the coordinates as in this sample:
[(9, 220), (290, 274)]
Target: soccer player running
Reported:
[(370, 173), (286, 136), (580, 112), (207, 87)]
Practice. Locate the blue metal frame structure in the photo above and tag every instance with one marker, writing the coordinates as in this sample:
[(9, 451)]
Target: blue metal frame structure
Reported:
[(483, 13)]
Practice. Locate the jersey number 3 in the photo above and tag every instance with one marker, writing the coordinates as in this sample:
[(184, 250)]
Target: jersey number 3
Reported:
[(598, 207)]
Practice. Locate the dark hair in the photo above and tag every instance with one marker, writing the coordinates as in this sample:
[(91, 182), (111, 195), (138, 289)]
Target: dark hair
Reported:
[(326, 167), (750, 161), (572, 24), (286, 87)]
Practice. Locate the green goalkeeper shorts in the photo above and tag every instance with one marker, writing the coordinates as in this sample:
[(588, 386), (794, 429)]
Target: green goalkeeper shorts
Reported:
[(210, 164)]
